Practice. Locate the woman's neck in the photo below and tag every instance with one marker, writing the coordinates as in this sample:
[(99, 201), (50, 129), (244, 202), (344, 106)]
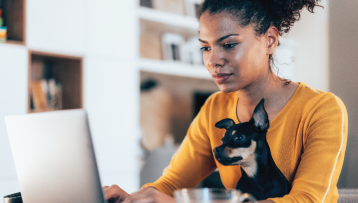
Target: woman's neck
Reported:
[(272, 88)]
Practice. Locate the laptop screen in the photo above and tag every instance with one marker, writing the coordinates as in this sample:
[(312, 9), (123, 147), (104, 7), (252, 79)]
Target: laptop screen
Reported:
[(54, 157)]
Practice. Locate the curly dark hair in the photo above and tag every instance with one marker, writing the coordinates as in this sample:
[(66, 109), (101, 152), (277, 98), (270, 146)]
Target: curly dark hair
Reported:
[(261, 13)]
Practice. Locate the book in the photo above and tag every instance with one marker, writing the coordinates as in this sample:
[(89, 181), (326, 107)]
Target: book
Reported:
[(46, 91), (172, 46), (46, 95), (192, 54), (38, 96), (54, 100)]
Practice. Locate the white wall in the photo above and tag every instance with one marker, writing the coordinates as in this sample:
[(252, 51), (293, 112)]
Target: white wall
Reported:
[(311, 37), (56, 26), (343, 77), (326, 59), (111, 89), (13, 91)]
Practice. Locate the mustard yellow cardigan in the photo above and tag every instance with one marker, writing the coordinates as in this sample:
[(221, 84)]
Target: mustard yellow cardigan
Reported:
[(307, 141)]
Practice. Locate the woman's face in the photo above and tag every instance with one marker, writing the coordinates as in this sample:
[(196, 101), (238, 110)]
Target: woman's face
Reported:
[(234, 55)]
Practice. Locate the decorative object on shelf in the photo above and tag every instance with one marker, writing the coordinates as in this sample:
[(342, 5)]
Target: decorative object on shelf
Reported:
[(155, 115), (12, 21), (192, 54), (172, 46), (191, 7), (3, 31), (175, 48), (46, 95), (151, 46), (1, 18), (46, 91), (146, 3), (172, 6), (63, 80), (38, 97), (53, 91)]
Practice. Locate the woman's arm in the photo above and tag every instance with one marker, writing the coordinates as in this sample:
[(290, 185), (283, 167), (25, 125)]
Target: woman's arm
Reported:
[(193, 161), (321, 163), (189, 166), (148, 194)]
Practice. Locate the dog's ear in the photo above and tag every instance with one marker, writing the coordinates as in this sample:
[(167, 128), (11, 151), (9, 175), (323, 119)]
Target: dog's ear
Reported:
[(225, 123), (260, 117)]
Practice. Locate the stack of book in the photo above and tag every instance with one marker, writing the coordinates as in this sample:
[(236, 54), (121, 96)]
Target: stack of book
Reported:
[(46, 91), (176, 48)]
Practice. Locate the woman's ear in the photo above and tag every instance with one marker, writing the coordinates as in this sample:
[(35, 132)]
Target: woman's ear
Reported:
[(271, 36)]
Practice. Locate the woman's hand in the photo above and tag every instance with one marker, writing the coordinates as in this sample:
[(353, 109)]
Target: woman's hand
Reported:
[(115, 194), (149, 195)]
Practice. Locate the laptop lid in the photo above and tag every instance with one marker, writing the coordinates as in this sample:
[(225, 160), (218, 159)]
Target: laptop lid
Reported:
[(54, 157)]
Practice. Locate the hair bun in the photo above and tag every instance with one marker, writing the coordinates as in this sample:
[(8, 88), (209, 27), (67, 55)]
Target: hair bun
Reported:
[(289, 11), (262, 13)]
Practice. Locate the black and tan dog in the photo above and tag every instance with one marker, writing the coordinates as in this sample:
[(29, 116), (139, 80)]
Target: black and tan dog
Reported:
[(245, 144)]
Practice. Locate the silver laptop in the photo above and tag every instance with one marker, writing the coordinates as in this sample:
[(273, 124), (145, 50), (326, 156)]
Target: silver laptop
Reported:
[(54, 157)]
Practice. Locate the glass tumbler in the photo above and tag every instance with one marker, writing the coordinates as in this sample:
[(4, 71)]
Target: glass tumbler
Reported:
[(212, 195)]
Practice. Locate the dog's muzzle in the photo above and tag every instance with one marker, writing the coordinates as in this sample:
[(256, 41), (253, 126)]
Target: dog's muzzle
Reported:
[(223, 159)]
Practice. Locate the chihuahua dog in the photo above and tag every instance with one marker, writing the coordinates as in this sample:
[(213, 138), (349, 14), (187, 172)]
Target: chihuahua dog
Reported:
[(245, 144)]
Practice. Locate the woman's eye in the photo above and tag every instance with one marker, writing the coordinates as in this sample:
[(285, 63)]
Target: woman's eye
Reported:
[(205, 48), (229, 45)]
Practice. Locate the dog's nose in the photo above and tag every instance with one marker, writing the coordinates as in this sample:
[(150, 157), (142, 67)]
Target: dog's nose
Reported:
[(217, 150)]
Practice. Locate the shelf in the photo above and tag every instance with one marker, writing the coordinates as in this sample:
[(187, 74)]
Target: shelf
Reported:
[(14, 12), (15, 42), (67, 70), (174, 68), (168, 18)]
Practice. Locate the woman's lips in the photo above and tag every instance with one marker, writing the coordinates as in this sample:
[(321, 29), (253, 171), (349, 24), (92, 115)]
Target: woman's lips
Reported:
[(221, 77)]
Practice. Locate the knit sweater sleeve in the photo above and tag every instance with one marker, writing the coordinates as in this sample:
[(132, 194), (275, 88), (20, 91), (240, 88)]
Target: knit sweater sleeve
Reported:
[(192, 162), (324, 144)]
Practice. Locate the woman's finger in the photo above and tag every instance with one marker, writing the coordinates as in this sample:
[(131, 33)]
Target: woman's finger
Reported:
[(116, 193), (149, 195), (140, 199)]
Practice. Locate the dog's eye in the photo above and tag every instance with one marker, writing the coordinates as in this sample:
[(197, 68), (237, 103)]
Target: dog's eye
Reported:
[(240, 137)]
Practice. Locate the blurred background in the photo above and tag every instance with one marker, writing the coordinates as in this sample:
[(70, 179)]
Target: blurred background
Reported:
[(136, 67)]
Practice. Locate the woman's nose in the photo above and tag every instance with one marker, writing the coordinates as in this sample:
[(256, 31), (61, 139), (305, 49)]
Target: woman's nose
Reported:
[(215, 59)]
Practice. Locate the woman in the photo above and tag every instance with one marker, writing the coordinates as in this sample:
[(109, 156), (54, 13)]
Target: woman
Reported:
[(308, 127)]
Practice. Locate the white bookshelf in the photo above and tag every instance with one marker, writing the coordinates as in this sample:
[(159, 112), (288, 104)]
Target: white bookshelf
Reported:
[(174, 68), (185, 25), (167, 18)]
